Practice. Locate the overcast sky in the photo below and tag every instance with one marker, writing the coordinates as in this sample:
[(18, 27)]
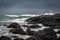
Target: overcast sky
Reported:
[(14, 6)]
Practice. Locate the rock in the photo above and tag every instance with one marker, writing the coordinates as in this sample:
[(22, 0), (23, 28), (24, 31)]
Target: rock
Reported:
[(50, 32), (50, 24), (57, 15), (4, 25), (18, 39), (32, 26), (58, 32), (33, 20), (5, 38), (29, 32), (46, 34), (57, 38), (14, 36), (18, 31), (14, 25), (32, 38)]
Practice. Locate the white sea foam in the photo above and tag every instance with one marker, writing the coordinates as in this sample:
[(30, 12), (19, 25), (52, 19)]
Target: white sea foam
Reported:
[(42, 28), (30, 15), (20, 36), (50, 13), (12, 15), (21, 20)]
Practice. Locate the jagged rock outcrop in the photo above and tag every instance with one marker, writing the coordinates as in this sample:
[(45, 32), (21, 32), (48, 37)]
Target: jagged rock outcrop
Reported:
[(14, 25), (29, 32), (32, 26), (57, 38), (33, 20), (46, 34), (5, 38), (58, 32), (47, 20), (18, 39), (32, 38), (18, 31)]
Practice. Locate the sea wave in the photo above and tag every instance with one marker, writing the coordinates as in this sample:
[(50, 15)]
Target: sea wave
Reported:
[(12, 15), (30, 15), (21, 21)]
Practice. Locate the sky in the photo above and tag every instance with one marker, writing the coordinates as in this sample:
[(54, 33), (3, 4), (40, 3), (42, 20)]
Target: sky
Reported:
[(29, 6)]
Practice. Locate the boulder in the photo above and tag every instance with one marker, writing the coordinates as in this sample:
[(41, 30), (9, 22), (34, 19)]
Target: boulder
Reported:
[(18, 39), (5, 38), (57, 38), (14, 25), (46, 34), (17, 31), (32, 38), (58, 32), (14, 36), (32, 26), (29, 32), (50, 32), (33, 20)]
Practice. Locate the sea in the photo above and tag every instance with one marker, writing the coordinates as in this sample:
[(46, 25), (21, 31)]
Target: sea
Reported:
[(7, 19)]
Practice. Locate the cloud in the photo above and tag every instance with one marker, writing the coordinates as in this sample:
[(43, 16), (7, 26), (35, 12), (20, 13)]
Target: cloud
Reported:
[(14, 6)]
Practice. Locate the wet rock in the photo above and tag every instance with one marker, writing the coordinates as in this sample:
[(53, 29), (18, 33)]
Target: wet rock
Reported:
[(58, 32), (57, 38), (33, 20), (14, 36), (47, 20), (32, 38), (50, 32), (14, 25), (29, 32), (46, 34), (32, 26), (4, 25), (18, 31), (50, 24), (18, 39), (5, 38)]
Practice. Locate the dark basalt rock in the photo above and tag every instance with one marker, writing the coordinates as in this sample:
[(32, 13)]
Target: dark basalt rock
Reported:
[(4, 25), (18, 31), (18, 39), (32, 38), (47, 20), (29, 32), (14, 25), (57, 38), (58, 32), (32, 26), (50, 32), (33, 20), (14, 36), (46, 34), (5, 38)]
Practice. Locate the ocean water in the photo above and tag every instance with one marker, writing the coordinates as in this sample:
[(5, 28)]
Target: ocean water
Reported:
[(15, 18), (7, 19)]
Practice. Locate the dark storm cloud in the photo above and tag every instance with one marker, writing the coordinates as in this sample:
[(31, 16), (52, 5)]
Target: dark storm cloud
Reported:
[(26, 5), (30, 3)]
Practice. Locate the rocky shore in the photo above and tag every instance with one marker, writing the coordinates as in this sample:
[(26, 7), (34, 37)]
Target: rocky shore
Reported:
[(44, 23)]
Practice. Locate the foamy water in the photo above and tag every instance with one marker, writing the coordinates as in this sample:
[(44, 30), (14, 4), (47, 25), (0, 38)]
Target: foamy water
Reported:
[(5, 31), (31, 15)]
